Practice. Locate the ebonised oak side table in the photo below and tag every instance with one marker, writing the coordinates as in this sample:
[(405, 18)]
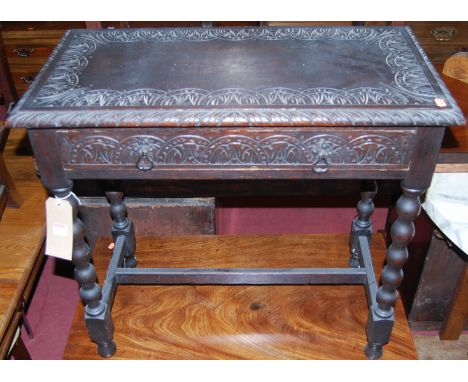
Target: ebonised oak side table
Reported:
[(239, 104)]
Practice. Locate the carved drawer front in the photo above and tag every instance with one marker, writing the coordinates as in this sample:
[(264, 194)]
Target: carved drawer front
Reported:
[(223, 152)]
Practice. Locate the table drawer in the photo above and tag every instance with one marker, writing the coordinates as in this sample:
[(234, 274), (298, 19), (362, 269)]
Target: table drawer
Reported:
[(221, 152)]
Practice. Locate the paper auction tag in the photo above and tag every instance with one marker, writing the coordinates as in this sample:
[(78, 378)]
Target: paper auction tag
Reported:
[(59, 241)]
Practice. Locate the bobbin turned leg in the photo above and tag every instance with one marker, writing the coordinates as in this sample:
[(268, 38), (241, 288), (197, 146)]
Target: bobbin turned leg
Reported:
[(97, 316), (122, 226), (53, 176), (381, 315), (362, 225)]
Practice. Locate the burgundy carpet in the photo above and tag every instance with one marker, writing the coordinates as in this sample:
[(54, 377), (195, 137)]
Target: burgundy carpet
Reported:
[(56, 296)]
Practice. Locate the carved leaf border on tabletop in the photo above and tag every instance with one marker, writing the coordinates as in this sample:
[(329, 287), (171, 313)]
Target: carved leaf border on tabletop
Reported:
[(62, 86)]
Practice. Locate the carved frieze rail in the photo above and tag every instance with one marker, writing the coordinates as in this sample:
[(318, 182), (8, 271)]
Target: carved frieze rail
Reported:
[(235, 148)]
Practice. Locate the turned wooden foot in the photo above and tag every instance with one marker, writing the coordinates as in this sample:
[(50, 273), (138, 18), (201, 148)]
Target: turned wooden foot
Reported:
[(106, 349), (373, 351)]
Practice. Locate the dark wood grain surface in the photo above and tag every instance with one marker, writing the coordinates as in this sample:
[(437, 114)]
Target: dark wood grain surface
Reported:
[(240, 322)]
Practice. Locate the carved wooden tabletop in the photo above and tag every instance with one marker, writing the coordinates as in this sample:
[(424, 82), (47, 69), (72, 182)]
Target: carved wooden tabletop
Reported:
[(283, 76)]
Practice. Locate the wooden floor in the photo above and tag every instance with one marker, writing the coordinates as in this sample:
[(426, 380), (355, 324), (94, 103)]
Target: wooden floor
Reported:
[(241, 322), (431, 347)]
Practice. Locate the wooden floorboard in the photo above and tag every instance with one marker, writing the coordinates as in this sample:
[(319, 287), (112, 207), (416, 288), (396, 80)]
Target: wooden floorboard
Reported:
[(431, 347), (240, 322)]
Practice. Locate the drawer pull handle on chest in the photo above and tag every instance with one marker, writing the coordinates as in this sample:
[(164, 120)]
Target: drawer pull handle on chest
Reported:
[(144, 163), (27, 79), (443, 34), (321, 166), (23, 52)]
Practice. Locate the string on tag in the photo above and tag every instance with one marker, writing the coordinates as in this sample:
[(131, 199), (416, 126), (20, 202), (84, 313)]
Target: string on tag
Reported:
[(71, 193)]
